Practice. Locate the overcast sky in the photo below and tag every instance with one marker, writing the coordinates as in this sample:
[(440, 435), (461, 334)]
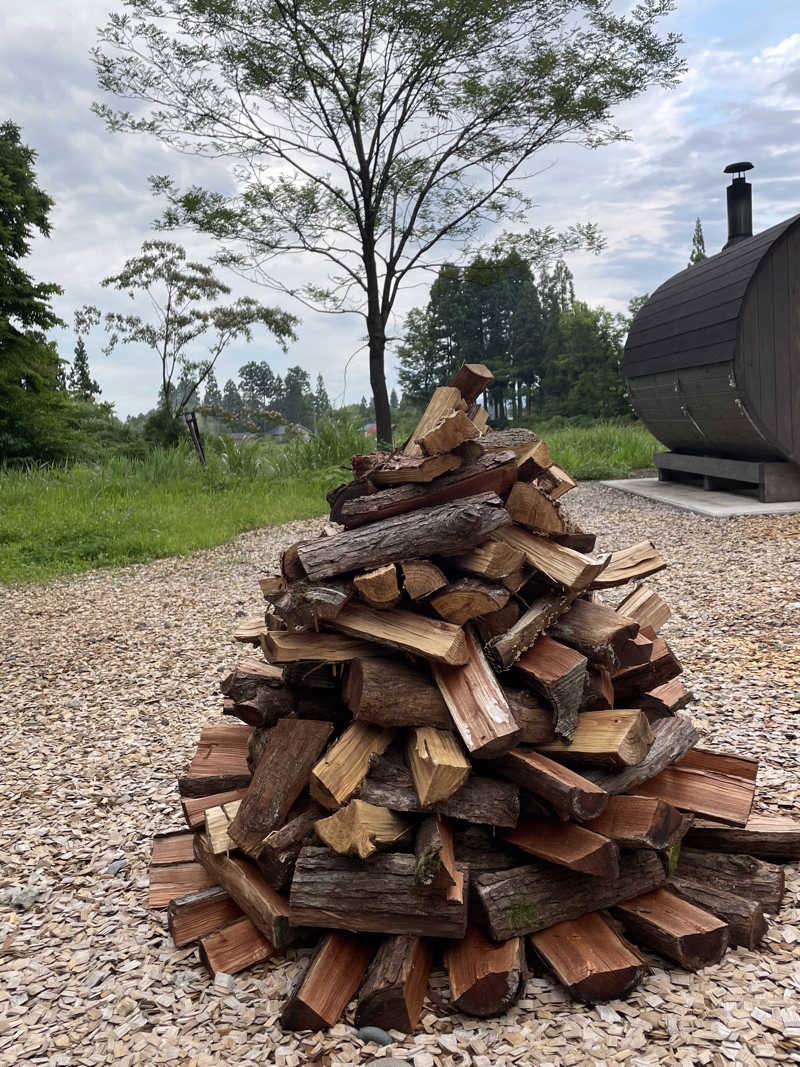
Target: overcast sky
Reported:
[(739, 100)]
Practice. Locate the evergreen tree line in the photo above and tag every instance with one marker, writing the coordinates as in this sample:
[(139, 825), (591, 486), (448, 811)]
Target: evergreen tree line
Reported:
[(260, 396), (550, 353)]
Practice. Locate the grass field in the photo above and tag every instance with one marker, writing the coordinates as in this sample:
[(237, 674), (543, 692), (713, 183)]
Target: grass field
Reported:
[(56, 521)]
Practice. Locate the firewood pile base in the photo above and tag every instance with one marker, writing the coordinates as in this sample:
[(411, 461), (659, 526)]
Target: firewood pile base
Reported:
[(462, 748)]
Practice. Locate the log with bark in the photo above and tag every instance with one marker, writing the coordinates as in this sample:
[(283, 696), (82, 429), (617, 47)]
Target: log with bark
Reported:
[(672, 739), (567, 845), (390, 692), (745, 918), (570, 794), (201, 913), (566, 568), (675, 928), (394, 989), (471, 379), (557, 673), (334, 975), (745, 876), (618, 737), (596, 631), (379, 588), (281, 847), (766, 836), (505, 649), (467, 598), (706, 789), (640, 822), (485, 978)]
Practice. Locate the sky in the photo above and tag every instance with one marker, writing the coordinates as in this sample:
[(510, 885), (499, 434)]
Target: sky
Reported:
[(740, 99)]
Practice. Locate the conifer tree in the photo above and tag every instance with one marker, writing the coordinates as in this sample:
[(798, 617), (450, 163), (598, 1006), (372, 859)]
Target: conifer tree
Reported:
[(698, 253), (79, 380)]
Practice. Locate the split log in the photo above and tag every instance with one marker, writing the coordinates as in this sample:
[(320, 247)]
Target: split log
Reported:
[(344, 766), (406, 631), (494, 474), (516, 438), (661, 667), (169, 881), (745, 918), (281, 847), (471, 379), (291, 567), (421, 578), (219, 764), (743, 875), (664, 700), (534, 720), (307, 646), (248, 679), (394, 989), (640, 822), (175, 846), (497, 623), (383, 468), (329, 984), (730, 763), (480, 800), (637, 650), (485, 979), (194, 916), (598, 689), (589, 958), (281, 775), (217, 822), (557, 672), (531, 898), (568, 569), (613, 738), (506, 649), (630, 564), (529, 506), (675, 928), (646, 607), (305, 605), (704, 787), (476, 703), (443, 402), (767, 836), (596, 631), (480, 850), (448, 433), (532, 460), (381, 896), (437, 764), (479, 415), (194, 808), (567, 845), (468, 598), (491, 560), (242, 880), (571, 795), (379, 588), (672, 739), (234, 948), (250, 630), (389, 692), (361, 829), (556, 481), (433, 848), (517, 579), (272, 584)]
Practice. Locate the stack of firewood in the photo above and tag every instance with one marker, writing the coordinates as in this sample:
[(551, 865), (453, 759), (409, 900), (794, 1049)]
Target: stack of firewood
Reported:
[(455, 750)]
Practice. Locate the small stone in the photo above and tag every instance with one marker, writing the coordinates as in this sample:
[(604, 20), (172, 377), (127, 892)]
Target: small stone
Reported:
[(21, 898), (74, 705), (116, 866), (388, 1061), (374, 1033)]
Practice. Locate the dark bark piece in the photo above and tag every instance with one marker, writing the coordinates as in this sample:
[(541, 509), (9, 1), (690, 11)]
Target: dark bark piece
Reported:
[(242, 880), (557, 673), (706, 791), (281, 847), (406, 631), (421, 578), (209, 784), (566, 845), (531, 898), (494, 474), (664, 700), (589, 958), (745, 918), (338, 497), (176, 846), (485, 978), (629, 565), (491, 560), (505, 649), (394, 989), (194, 808), (598, 689), (646, 607), (169, 881), (471, 379), (390, 692), (249, 678), (479, 800), (596, 631), (468, 598), (661, 666), (305, 605), (618, 737), (672, 739), (476, 703), (743, 875), (332, 979), (675, 928), (767, 836), (534, 720), (281, 775), (433, 848), (570, 794), (234, 948), (197, 914), (380, 897), (379, 587), (640, 822), (342, 769), (481, 850), (566, 568), (258, 694)]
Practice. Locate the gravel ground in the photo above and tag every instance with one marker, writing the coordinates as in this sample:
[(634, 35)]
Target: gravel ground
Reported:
[(107, 679)]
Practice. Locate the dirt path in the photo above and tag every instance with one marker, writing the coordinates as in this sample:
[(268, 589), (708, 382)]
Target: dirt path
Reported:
[(105, 682)]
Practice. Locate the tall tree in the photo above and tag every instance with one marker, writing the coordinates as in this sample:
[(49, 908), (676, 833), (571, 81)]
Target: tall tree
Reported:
[(698, 253), (231, 399), (185, 311), (370, 132), (79, 380), (212, 397), (322, 404), (590, 364), (394, 403), (261, 388), (297, 403)]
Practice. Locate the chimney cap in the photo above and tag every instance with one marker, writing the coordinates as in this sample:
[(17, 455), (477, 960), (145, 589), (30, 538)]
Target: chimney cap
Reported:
[(737, 168)]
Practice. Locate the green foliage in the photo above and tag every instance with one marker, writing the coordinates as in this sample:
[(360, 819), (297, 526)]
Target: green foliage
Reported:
[(590, 449), (57, 520), (698, 253), (80, 381)]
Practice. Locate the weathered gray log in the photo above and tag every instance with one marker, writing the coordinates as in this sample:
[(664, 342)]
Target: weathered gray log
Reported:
[(533, 897), (745, 918), (494, 473), (557, 673), (540, 616), (304, 605), (390, 692), (445, 530), (672, 739), (767, 836), (534, 720), (394, 989), (281, 847), (381, 896), (595, 630), (743, 875)]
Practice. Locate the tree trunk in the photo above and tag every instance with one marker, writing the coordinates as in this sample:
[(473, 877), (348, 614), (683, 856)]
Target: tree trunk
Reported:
[(377, 379)]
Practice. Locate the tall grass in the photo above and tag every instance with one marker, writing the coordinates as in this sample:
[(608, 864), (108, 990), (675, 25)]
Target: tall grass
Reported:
[(613, 448)]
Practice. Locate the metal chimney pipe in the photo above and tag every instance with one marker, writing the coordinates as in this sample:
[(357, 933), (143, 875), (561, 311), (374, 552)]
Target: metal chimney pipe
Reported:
[(740, 204)]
